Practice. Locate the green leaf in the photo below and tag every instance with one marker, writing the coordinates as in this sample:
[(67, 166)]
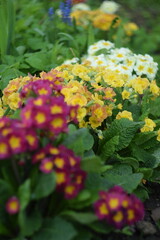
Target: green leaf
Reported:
[(100, 227), (45, 185), (122, 175), (84, 235), (109, 148), (124, 128), (128, 160), (9, 74), (24, 194), (155, 110), (149, 160), (91, 164), (79, 141), (142, 138), (57, 229), (39, 60), (83, 218), (147, 172), (5, 190), (95, 182), (91, 37), (4, 230), (29, 223)]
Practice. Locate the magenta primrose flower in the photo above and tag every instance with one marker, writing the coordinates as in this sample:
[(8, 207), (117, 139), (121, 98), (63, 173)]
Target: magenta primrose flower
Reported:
[(69, 176), (118, 208), (12, 205)]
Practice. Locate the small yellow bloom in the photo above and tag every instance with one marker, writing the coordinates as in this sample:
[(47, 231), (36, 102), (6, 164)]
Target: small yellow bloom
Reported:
[(149, 125), (125, 94), (124, 114), (120, 106), (158, 135), (14, 101)]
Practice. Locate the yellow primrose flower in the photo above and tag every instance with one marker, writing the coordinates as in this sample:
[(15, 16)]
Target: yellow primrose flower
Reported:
[(113, 79), (94, 122), (124, 114), (139, 84), (158, 135), (130, 28), (104, 21), (97, 99), (125, 94), (155, 90), (149, 125), (78, 99), (14, 101), (83, 124), (81, 113), (120, 106)]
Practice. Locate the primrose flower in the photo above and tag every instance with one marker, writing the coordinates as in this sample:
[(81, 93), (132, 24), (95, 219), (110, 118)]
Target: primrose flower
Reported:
[(124, 114), (149, 125), (12, 205), (104, 21), (118, 208), (16, 142), (4, 149), (46, 165), (158, 135), (109, 7)]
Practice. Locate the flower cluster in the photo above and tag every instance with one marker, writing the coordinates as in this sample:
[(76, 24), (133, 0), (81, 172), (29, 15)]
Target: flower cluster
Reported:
[(69, 176), (122, 60), (11, 94), (118, 208), (97, 18), (44, 116), (96, 101)]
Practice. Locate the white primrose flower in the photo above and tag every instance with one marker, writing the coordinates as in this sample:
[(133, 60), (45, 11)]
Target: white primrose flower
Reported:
[(71, 61), (102, 44), (109, 7), (151, 70)]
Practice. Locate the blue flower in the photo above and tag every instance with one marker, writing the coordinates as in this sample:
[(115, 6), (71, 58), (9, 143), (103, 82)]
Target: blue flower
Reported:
[(66, 11), (51, 12)]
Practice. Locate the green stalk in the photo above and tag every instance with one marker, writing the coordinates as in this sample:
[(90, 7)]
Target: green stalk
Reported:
[(7, 17), (3, 28), (11, 22)]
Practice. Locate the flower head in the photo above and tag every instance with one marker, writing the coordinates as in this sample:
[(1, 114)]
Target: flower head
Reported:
[(12, 205), (118, 208)]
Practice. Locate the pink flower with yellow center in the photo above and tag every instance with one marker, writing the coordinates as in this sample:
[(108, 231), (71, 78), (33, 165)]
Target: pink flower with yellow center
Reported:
[(39, 156), (31, 139), (26, 116), (42, 87), (60, 162), (4, 122), (58, 106), (46, 165), (118, 208), (12, 205), (4, 149), (70, 190), (16, 142), (58, 124), (62, 177), (40, 117)]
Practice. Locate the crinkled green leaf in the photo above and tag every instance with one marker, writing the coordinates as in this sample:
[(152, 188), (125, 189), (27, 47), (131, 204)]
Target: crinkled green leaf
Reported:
[(45, 185), (57, 229)]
